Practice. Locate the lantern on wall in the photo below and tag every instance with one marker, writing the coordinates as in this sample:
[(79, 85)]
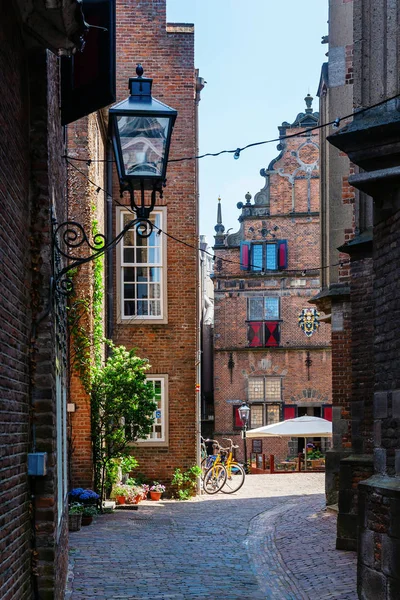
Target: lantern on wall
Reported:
[(141, 129)]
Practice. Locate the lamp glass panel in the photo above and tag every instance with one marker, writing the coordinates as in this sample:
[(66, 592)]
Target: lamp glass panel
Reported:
[(143, 143)]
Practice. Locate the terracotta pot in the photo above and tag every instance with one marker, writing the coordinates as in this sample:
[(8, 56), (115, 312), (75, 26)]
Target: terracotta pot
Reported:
[(155, 495), (138, 498), (120, 499), (87, 519)]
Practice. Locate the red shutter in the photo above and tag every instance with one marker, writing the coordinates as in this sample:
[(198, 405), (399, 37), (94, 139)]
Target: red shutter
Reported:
[(237, 421), (272, 333), (244, 256), (289, 412), (255, 335), (327, 412), (282, 254)]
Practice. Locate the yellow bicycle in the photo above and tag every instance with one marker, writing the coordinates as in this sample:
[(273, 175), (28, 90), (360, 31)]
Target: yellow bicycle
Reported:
[(221, 471), (235, 473)]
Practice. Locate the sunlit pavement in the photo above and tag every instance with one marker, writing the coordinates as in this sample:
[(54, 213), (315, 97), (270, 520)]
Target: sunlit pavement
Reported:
[(271, 540)]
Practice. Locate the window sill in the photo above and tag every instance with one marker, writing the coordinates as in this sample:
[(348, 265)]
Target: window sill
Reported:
[(141, 321)]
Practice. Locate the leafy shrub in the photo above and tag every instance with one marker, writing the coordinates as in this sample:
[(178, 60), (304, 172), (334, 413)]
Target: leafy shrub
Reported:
[(186, 482)]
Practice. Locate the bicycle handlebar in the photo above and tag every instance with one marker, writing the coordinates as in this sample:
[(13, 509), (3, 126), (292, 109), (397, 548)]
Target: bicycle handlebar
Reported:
[(232, 444)]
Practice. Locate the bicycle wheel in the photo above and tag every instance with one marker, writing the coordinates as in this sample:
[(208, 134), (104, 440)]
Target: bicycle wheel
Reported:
[(214, 479), (235, 478), (206, 464)]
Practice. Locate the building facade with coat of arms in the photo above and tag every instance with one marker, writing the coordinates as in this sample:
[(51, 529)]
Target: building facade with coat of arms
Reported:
[(270, 347)]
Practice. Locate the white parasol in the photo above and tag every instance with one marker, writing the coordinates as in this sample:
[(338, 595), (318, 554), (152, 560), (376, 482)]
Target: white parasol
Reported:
[(305, 427)]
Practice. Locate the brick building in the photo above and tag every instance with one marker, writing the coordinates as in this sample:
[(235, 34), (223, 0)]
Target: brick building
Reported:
[(265, 275), (366, 418), (33, 363), (151, 299)]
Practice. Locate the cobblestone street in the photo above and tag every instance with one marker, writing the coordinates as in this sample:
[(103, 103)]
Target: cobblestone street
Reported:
[(271, 540)]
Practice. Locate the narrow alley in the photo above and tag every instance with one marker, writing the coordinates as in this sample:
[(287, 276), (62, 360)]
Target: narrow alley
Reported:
[(271, 540)]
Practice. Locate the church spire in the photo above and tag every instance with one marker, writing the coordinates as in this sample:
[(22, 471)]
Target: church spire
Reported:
[(219, 228)]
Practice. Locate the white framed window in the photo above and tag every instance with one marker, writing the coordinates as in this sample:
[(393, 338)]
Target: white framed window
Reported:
[(142, 271), (159, 434)]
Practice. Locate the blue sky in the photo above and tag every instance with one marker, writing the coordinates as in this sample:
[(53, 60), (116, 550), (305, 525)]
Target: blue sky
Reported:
[(259, 58)]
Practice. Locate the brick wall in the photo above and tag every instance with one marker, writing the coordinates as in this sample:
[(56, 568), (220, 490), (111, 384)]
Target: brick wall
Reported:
[(85, 204), (15, 313), (167, 55), (32, 182), (48, 194), (292, 214)]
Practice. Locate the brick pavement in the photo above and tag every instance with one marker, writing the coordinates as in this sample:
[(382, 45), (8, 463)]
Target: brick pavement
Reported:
[(272, 540)]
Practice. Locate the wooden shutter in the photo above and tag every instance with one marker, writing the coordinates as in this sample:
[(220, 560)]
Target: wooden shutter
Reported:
[(255, 334), (245, 256), (272, 333), (289, 411), (327, 412), (282, 254), (237, 421)]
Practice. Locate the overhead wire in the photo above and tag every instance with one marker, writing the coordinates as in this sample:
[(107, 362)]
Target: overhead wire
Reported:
[(198, 249), (335, 123)]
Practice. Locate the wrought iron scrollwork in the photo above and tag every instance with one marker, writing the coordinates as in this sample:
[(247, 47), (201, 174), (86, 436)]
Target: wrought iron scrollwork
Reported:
[(71, 236)]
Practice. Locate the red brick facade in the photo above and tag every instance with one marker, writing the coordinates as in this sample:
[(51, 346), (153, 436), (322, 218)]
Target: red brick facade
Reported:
[(286, 209), (166, 52)]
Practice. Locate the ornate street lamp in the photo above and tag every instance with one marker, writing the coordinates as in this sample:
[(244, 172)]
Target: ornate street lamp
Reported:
[(244, 413), (141, 129)]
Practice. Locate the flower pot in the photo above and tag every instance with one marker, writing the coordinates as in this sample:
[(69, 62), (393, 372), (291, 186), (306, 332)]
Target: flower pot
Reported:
[(120, 499), (138, 499), (155, 495), (74, 522), (87, 519)]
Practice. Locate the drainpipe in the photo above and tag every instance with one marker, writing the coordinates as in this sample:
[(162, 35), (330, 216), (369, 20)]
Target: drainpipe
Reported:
[(199, 86), (109, 235)]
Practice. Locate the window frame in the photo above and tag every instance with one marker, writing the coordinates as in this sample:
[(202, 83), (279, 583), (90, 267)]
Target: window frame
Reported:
[(121, 264), (265, 378), (264, 267), (264, 298), (263, 334), (164, 442), (265, 406)]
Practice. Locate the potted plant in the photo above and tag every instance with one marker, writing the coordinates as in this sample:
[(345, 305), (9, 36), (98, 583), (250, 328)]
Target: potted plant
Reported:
[(88, 513), (156, 490), (75, 511), (83, 496), (145, 491), (135, 494), (121, 493)]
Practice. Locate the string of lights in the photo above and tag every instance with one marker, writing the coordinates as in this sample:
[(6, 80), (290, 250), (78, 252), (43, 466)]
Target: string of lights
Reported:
[(303, 270), (236, 152)]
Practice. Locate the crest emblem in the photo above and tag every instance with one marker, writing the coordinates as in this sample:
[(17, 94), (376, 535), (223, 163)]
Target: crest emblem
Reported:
[(308, 320)]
